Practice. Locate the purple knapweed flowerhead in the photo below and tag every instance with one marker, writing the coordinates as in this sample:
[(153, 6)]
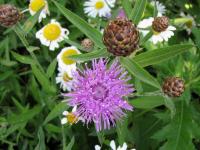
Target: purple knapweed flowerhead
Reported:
[(99, 94)]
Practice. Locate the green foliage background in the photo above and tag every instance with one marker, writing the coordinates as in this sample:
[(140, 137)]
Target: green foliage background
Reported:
[(30, 100)]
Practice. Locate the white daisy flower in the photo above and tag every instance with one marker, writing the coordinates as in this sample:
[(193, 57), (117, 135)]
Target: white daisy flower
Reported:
[(68, 65), (113, 146), (51, 34), (70, 117), (144, 26), (190, 23), (36, 5), (65, 81), (97, 7), (160, 8)]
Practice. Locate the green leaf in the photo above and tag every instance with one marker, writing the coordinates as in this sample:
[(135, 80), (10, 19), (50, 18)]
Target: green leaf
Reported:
[(91, 55), (179, 133), (138, 11), (20, 33), (41, 138), (70, 145), (23, 59), (5, 75), (126, 4), (57, 110), (30, 22), (196, 32), (43, 79), (170, 105), (158, 55), (25, 116), (139, 72), (147, 102), (81, 24), (51, 68)]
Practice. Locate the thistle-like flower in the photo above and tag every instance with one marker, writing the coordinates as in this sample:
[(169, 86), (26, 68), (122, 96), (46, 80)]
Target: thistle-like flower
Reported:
[(99, 94)]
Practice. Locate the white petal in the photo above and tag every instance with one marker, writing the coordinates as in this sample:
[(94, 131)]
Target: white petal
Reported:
[(65, 113), (171, 28), (74, 109), (145, 23), (112, 145), (64, 121), (124, 147), (97, 147)]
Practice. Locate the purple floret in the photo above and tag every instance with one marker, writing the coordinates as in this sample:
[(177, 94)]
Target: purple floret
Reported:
[(98, 94)]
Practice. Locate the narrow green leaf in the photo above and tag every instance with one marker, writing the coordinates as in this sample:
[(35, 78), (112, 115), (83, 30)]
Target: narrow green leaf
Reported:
[(25, 116), (23, 59), (170, 105), (70, 145), (138, 11), (6, 75), (158, 55), (32, 48), (74, 44), (41, 138), (91, 55), (196, 32), (20, 33), (57, 110), (81, 24), (30, 22), (126, 4), (139, 72), (147, 102), (51, 68), (43, 79)]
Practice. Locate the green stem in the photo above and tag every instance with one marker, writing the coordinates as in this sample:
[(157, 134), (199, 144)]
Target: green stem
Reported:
[(146, 38), (20, 34)]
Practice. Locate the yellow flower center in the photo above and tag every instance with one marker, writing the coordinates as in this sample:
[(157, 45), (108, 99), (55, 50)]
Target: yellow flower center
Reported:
[(99, 5), (52, 32), (71, 118), (36, 5), (66, 77), (189, 24), (156, 33), (68, 53)]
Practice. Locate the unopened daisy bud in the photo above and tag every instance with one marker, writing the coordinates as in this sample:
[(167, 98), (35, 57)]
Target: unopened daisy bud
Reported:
[(121, 37), (173, 86), (160, 24), (9, 15), (87, 44)]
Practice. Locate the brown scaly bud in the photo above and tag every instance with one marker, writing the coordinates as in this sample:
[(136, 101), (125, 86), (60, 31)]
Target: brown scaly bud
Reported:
[(121, 37), (173, 86), (9, 15), (160, 24), (87, 44)]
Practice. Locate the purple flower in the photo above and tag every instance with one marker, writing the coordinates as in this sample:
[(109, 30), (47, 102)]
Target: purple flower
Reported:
[(98, 94), (122, 14)]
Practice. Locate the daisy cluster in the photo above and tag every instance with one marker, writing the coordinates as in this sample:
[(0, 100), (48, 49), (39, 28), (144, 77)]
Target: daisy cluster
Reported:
[(51, 35)]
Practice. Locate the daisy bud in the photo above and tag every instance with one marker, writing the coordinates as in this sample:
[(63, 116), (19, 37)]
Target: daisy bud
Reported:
[(87, 44), (9, 15), (173, 86), (121, 37), (160, 24)]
